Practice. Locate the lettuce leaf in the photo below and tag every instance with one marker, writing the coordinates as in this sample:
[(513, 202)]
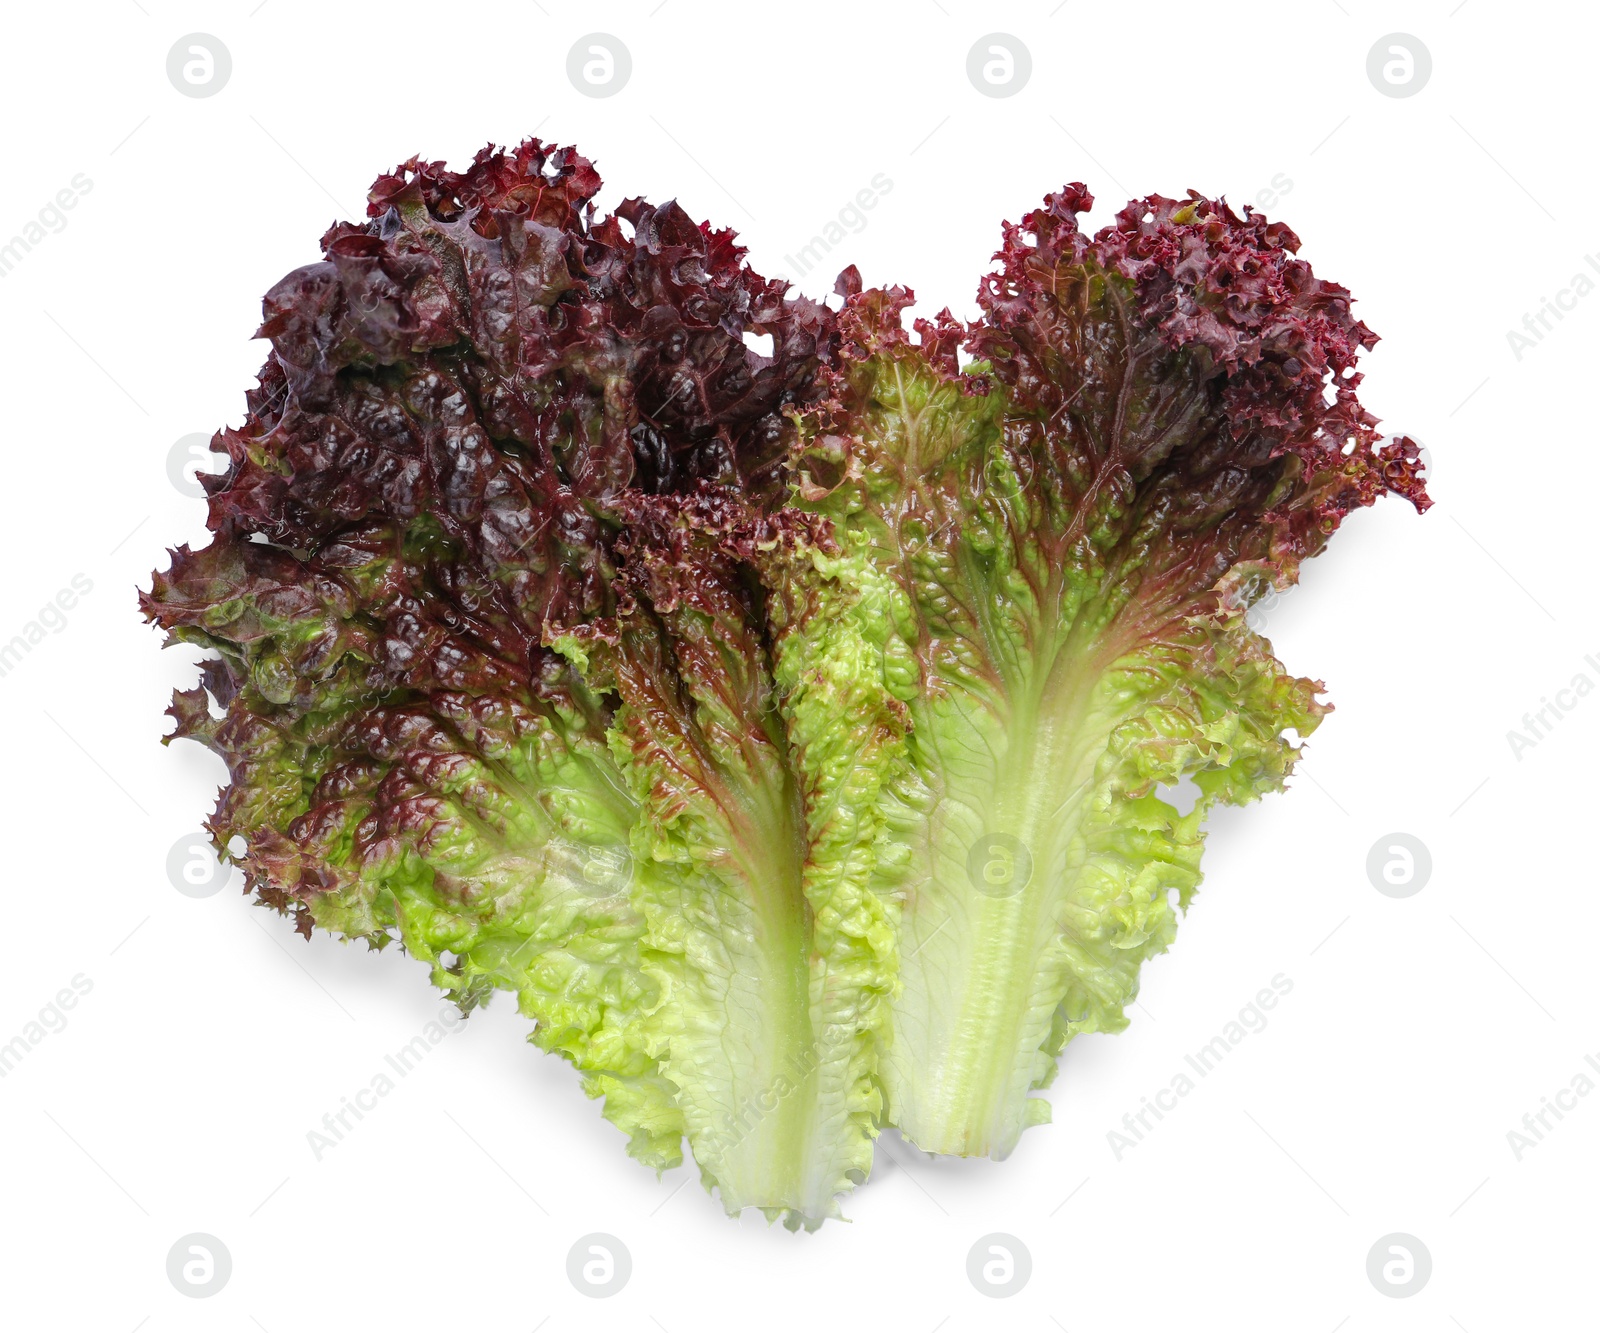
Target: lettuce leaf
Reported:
[(491, 684), (1160, 426), (753, 730), (794, 734)]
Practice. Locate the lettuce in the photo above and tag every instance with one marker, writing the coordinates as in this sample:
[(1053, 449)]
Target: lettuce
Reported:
[(1162, 423), (788, 733)]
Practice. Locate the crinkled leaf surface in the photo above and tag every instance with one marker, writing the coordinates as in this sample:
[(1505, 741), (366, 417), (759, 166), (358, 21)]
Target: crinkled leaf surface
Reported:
[(786, 732), (487, 687), (1161, 425)]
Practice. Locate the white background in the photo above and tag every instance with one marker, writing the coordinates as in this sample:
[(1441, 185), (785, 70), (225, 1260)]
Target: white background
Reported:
[(1419, 1030)]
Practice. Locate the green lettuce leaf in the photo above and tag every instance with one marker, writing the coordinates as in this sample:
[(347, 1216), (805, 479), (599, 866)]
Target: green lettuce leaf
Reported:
[(754, 730)]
